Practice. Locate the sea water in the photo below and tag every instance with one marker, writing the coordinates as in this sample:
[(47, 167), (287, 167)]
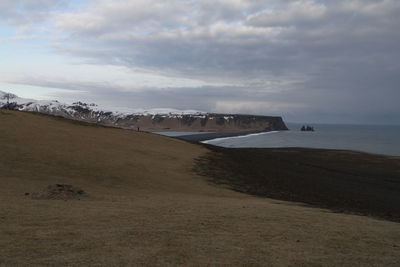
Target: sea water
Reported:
[(379, 139)]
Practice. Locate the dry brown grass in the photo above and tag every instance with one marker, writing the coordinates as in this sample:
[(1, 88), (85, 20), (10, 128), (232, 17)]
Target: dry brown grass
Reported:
[(146, 207)]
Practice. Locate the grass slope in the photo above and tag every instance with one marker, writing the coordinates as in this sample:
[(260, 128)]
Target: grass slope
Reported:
[(147, 207)]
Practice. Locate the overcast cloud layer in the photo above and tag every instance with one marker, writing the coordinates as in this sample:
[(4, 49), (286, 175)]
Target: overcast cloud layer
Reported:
[(307, 60)]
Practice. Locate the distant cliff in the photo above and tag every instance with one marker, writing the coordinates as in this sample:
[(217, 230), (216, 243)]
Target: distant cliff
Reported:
[(147, 120), (207, 122)]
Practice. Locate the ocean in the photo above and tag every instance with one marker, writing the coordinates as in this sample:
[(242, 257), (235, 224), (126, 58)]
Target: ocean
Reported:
[(378, 139)]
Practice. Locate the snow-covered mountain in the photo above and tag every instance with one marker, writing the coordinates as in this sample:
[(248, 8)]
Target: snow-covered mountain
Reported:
[(45, 106), (161, 119)]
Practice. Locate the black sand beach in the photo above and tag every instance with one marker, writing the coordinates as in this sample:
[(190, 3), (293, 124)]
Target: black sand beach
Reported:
[(340, 180)]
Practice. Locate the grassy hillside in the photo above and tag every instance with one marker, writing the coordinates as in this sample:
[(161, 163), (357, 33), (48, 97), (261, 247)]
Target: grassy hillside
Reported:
[(147, 207), (40, 150)]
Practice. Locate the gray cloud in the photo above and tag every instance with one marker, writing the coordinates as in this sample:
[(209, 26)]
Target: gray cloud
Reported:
[(321, 60), (301, 105), (341, 32)]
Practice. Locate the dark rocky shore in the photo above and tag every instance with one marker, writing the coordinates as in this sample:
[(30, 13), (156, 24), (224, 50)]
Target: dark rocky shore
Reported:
[(340, 180)]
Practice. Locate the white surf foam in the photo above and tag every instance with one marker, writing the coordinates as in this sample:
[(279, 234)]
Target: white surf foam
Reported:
[(236, 137)]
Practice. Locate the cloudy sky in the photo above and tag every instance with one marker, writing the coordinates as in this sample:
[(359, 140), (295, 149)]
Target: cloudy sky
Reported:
[(334, 61)]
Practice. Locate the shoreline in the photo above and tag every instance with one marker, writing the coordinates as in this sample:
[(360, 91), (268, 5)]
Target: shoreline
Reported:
[(199, 138)]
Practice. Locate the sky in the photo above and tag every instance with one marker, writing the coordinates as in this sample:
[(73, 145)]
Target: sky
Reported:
[(326, 61)]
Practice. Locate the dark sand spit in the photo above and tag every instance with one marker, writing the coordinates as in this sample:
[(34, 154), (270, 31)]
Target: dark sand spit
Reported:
[(155, 201)]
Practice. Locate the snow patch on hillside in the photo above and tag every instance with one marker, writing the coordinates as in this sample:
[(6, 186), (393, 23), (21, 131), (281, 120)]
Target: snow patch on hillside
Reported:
[(54, 106)]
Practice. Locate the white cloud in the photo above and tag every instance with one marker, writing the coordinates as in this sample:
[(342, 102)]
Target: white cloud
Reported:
[(17, 38), (256, 107), (88, 76), (291, 14)]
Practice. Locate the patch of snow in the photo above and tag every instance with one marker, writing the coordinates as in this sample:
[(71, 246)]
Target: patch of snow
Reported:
[(55, 106)]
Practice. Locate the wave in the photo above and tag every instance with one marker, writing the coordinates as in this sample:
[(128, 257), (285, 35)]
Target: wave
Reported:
[(236, 137)]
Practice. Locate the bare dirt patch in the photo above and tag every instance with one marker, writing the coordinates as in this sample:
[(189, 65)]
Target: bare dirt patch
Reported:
[(61, 192)]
